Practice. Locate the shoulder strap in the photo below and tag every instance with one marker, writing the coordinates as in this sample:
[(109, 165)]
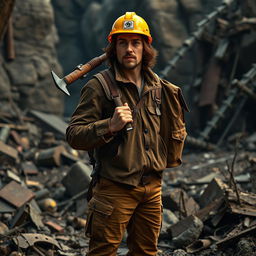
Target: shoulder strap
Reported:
[(158, 98), (111, 82), (108, 83), (156, 94)]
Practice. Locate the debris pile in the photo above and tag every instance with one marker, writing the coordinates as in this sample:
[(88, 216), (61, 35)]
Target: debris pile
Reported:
[(215, 206), (223, 88), (44, 184), (209, 202), (43, 187)]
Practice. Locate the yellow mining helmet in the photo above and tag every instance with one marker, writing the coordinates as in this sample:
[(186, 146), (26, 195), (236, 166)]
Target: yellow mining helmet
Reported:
[(130, 23)]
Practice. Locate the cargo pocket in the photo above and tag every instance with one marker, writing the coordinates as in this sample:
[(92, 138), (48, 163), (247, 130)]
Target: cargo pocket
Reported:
[(175, 147), (97, 218)]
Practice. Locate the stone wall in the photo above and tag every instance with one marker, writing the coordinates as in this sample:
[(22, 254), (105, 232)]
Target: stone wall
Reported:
[(82, 29), (27, 78)]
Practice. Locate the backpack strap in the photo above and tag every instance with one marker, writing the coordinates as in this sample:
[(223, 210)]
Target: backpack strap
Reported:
[(111, 82), (158, 92), (156, 95), (111, 89), (109, 85)]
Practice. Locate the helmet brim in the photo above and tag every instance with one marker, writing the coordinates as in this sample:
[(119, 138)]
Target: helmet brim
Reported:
[(129, 32)]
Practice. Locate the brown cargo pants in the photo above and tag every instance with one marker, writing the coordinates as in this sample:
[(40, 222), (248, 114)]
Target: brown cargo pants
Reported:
[(115, 207)]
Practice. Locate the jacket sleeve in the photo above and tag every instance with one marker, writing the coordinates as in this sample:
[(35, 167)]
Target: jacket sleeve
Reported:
[(87, 129), (173, 130)]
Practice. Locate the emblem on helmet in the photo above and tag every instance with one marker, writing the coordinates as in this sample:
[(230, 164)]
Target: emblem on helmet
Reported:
[(128, 24)]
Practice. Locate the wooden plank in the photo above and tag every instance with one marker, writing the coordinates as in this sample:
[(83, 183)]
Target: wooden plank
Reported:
[(8, 151)]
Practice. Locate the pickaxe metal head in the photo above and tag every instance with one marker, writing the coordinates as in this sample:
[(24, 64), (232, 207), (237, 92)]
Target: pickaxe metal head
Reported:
[(79, 72), (60, 83)]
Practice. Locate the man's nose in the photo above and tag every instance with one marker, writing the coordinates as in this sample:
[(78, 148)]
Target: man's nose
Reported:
[(129, 47)]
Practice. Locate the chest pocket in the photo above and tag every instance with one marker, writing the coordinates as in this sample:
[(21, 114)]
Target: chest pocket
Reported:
[(154, 110), (153, 117)]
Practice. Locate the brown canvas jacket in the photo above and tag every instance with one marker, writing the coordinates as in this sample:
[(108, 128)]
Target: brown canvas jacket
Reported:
[(156, 141)]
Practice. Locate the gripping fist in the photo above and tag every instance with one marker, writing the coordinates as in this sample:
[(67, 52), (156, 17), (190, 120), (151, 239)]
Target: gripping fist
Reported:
[(121, 117)]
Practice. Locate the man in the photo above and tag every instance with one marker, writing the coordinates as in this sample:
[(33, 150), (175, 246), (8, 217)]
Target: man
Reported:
[(129, 164)]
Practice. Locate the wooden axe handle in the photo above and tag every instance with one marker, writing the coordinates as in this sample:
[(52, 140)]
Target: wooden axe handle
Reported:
[(84, 69)]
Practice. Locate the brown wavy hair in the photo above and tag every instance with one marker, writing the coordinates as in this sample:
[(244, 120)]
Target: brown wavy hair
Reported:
[(148, 58)]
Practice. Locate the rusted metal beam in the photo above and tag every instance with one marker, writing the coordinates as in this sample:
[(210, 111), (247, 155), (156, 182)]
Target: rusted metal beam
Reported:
[(15, 194), (232, 121), (200, 143), (10, 49), (228, 103), (245, 89), (188, 43), (232, 239), (6, 8)]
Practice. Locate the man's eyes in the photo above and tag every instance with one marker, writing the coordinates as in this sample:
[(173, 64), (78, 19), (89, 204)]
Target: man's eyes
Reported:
[(136, 43)]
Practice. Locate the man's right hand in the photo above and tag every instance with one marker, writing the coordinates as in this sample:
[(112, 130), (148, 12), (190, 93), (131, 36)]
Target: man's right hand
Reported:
[(121, 117)]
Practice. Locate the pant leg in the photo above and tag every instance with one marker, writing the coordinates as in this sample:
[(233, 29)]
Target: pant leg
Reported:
[(144, 226), (110, 210)]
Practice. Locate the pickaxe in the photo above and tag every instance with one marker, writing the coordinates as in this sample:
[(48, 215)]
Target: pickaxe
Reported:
[(80, 71)]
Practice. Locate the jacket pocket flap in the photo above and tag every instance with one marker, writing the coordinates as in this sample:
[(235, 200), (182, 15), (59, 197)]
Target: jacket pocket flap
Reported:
[(179, 134), (98, 206), (152, 110)]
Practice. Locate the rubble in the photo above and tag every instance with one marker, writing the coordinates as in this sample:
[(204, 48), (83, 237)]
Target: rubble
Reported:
[(79, 174), (43, 196), (186, 231), (208, 202)]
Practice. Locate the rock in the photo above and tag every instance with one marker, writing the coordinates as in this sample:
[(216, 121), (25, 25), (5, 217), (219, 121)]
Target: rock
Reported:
[(249, 8), (28, 76), (32, 21), (179, 252), (83, 3), (194, 227), (245, 247), (35, 37), (191, 6), (41, 66), (92, 26), (3, 228), (168, 218), (166, 27), (68, 26)]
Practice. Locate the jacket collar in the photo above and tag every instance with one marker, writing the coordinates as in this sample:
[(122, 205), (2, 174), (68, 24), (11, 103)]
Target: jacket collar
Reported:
[(151, 79)]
